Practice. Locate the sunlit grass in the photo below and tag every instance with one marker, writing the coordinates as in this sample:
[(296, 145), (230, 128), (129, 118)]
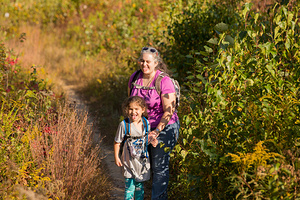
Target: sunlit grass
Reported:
[(46, 131)]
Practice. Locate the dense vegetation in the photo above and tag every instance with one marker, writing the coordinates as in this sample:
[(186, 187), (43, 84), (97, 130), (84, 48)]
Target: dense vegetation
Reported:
[(238, 65), (241, 129), (45, 146)]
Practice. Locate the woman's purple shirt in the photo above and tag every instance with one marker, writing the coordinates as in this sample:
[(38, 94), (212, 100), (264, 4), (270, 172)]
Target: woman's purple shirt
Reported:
[(153, 100)]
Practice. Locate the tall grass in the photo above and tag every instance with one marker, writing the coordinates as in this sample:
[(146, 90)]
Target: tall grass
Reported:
[(88, 43), (91, 45), (46, 147), (53, 61), (66, 150)]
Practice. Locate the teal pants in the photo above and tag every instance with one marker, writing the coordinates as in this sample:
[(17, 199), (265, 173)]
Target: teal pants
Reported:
[(133, 189)]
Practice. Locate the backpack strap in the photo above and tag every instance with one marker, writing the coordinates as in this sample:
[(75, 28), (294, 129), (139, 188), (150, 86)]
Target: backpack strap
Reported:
[(158, 81), (142, 87), (134, 84), (145, 122), (127, 135), (134, 79), (127, 126), (127, 129)]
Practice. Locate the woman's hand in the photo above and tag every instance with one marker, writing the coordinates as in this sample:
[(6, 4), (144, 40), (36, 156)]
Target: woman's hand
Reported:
[(152, 138)]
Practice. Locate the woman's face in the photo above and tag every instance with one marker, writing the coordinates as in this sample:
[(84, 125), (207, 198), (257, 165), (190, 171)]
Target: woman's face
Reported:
[(147, 63)]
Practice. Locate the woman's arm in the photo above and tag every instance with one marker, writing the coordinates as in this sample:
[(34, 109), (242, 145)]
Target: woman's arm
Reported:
[(169, 102)]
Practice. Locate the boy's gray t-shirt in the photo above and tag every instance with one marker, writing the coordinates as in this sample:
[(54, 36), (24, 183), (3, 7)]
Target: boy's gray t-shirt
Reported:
[(139, 169)]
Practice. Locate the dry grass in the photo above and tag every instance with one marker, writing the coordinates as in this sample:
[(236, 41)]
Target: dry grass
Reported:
[(70, 160), (54, 61), (66, 152), (67, 66)]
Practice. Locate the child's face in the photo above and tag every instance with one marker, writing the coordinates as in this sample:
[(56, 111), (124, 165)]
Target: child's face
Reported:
[(135, 112)]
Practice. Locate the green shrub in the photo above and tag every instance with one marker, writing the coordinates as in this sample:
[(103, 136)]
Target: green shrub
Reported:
[(21, 107), (250, 94), (46, 148), (190, 26)]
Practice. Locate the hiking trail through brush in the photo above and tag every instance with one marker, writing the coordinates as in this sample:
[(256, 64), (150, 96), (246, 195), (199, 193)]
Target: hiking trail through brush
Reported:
[(111, 169)]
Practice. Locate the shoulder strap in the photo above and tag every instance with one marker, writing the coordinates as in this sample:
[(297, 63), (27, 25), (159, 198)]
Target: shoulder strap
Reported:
[(158, 81), (142, 87), (127, 127), (145, 122), (134, 79)]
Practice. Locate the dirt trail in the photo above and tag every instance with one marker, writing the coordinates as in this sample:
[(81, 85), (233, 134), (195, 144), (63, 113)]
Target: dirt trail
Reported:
[(113, 172)]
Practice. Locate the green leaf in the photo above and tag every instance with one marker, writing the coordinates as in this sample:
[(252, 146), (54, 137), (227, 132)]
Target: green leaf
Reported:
[(184, 153), (229, 39), (177, 148), (190, 77), (207, 49), (218, 93), (274, 53), (221, 27), (277, 165), (196, 89), (256, 17), (233, 79), (249, 82), (29, 93), (208, 150), (277, 19), (167, 149), (270, 69), (214, 41), (187, 120), (246, 9), (276, 32), (268, 88), (288, 172), (284, 11), (290, 17), (282, 25), (199, 76), (287, 43)]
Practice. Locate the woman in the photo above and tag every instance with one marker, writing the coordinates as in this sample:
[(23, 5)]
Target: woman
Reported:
[(161, 115)]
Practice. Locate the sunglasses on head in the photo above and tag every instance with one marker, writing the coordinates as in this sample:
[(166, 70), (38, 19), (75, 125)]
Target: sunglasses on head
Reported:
[(151, 49)]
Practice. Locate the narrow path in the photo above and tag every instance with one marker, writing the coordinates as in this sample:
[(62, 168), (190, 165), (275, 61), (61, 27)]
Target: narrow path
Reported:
[(113, 172)]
